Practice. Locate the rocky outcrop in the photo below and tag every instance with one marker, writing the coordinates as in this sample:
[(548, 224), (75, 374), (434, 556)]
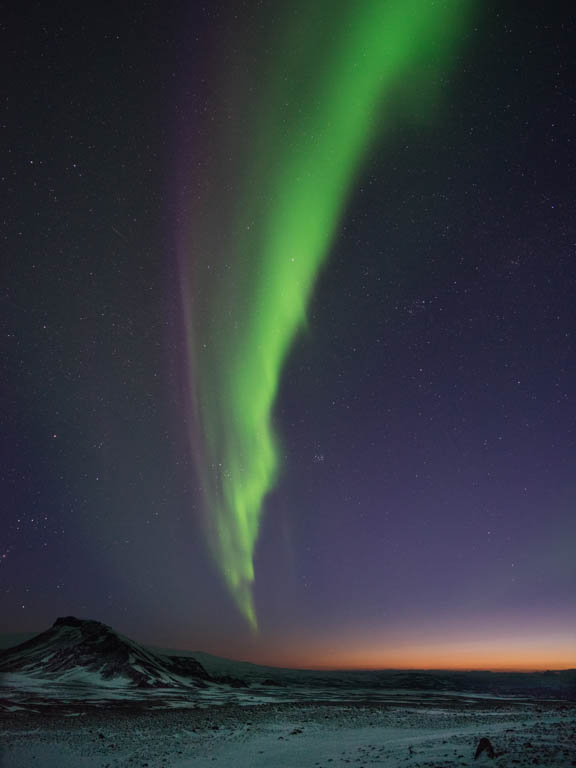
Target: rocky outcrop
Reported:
[(484, 745)]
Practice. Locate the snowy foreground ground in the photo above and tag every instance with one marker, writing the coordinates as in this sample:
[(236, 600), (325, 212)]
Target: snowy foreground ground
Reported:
[(414, 730)]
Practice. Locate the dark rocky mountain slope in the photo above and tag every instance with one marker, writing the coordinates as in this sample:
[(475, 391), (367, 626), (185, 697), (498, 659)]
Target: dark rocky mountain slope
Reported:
[(82, 651)]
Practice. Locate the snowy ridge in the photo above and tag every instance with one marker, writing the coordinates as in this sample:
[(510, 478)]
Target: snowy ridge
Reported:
[(559, 684), (81, 651)]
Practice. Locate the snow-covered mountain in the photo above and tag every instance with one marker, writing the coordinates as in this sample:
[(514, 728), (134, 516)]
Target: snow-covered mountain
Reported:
[(77, 650)]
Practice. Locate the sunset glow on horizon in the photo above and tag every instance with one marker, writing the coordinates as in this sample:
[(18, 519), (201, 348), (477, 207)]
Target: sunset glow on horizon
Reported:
[(510, 651), (451, 658)]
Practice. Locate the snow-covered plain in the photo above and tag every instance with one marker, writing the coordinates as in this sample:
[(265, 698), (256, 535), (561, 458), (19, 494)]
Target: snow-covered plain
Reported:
[(409, 730)]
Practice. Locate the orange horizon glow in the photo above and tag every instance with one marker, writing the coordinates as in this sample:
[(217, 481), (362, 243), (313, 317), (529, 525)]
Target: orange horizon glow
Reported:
[(519, 643), (410, 666), (545, 668), (504, 654)]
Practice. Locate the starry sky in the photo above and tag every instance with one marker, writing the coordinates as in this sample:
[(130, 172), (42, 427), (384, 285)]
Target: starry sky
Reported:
[(422, 511)]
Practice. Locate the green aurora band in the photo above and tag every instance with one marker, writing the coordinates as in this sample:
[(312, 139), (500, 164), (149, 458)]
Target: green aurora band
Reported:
[(338, 73)]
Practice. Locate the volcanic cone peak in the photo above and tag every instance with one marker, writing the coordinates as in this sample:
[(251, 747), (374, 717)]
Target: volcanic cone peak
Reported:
[(72, 621), (82, 650)]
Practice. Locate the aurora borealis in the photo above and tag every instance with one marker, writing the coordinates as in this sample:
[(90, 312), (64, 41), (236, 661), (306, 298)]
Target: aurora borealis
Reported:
[(309, 135), (288, 329)]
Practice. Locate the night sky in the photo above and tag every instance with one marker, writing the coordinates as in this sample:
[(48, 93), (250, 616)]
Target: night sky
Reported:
[(417, 472)]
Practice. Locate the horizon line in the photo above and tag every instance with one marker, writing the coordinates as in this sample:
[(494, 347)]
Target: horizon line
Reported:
[(528, 669)]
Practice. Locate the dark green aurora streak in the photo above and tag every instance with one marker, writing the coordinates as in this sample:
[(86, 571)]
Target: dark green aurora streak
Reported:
[(334, 76)]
